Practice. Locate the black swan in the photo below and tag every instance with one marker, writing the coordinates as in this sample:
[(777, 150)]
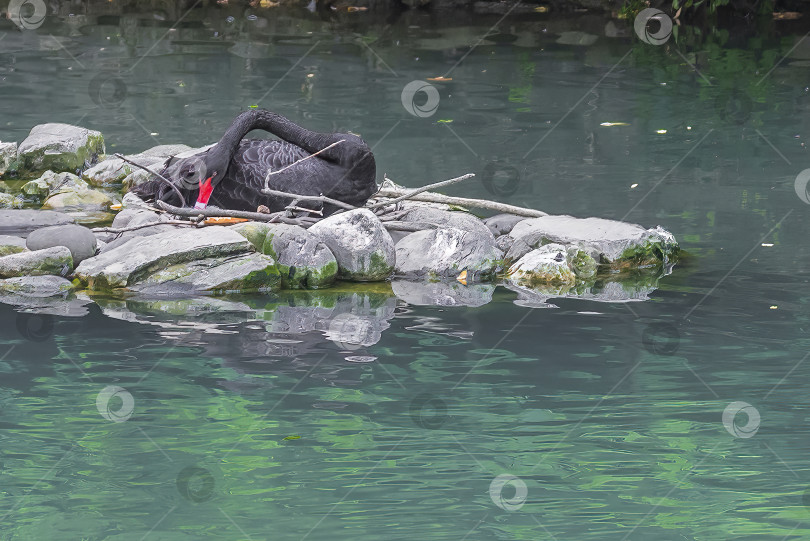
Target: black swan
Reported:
[(232, 172)]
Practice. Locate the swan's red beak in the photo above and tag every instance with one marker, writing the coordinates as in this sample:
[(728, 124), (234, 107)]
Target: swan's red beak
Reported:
[(205, 194)]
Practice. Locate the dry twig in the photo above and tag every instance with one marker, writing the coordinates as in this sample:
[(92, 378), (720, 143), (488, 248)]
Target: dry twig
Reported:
[(276, 217), (399, 195), (158, 175), (410, 193)]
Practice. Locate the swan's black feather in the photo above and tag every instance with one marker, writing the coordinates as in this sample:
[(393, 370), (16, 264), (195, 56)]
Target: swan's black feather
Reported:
[(346, 172)]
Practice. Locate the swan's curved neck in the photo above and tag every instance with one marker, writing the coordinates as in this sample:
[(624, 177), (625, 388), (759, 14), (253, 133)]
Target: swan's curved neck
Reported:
[(275, 124)]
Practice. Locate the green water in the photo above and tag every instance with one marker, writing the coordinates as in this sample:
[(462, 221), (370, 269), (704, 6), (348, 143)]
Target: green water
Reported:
[(357, 414)]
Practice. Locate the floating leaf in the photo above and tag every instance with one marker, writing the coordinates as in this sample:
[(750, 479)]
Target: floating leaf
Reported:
[(462, 277), (295, 437)]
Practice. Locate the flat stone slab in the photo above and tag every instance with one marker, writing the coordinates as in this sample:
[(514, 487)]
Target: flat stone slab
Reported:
[(11, 245), (244, 272), (607, 241), (22, 221), (56, 260), (36, 286), (59, 147), (140, 257)]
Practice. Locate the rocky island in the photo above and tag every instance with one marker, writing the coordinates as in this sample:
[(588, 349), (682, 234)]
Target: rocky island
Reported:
[(58, 182)]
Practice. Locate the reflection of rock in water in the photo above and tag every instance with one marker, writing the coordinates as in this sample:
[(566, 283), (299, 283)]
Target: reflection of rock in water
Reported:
[(284, 326), (351, 320), (601, 291), (442, 293)]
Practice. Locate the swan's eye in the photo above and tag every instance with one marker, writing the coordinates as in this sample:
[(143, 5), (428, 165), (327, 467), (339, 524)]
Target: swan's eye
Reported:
[(189, 174)]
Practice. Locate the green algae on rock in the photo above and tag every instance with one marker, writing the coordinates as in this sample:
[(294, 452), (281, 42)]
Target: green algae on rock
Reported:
[(59, 147), (56, 260)]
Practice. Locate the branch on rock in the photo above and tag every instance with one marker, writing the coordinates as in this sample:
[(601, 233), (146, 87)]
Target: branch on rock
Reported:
[(399, 195), (140, 226), (320, 198), (394, 225), (158, 175), (408, 194), (276, 217)]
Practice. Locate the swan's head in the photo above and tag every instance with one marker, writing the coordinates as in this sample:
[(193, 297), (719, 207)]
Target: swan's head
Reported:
[(201, 172)]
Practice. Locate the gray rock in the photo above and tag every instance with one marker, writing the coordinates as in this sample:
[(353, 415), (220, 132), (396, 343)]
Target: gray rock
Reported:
[(517, 249), (239, 273), (10, 244), (118, 240), (255, 232), (66, 191), (502, 224), (131, 201), (23, 221), (56, 260), (114, 170), (50, 182), (8, 153), (446, 218), (447, 251), (442, 293), (504, 243), (59, 147), (133, 216), (133, 261), (361, 245), (303, 260), (36, 286), (140, 216), (9, 201), (607, 241), (78, 239), (545, 265)]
